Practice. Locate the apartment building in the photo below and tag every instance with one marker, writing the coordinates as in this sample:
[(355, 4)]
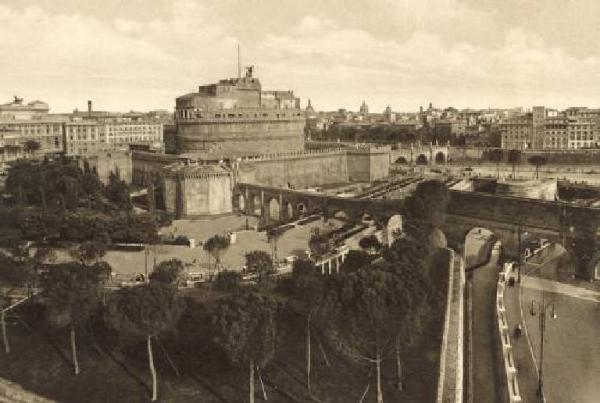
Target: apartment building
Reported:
[(556, 136), (517, 132), (581, 133)]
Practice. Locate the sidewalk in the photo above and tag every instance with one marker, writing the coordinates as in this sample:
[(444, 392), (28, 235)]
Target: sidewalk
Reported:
[(569, 290), (527, 369)]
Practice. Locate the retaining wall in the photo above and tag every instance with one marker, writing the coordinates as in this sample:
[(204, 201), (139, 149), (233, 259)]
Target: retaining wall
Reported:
[(511, 392), (450, 381)]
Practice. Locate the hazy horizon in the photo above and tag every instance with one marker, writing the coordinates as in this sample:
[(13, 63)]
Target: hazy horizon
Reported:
[(141, 54)]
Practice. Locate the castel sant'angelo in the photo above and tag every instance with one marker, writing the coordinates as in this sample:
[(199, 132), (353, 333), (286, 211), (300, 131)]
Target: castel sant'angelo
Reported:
[(233, 131)]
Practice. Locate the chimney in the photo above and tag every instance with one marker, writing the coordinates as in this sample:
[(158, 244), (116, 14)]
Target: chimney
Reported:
[(89, 106)]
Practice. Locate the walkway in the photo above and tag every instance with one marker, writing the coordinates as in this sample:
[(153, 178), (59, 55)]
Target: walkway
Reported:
[(560, 288), (522, 352), (486, 378)]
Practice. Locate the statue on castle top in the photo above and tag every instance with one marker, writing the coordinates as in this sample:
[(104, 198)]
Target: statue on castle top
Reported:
[(249, 70)]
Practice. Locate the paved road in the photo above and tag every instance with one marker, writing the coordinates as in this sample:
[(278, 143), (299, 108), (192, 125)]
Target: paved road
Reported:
[(486, 381), (572, 344)]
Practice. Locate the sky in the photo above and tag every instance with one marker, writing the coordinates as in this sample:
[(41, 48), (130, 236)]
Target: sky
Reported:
[(141, 54)]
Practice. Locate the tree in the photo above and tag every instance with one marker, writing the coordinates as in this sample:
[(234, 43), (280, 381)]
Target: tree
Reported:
[(412, 309), (537, 161), (426, 208), (273, 236), (514, 157), (214, 246), (360, 308), (228, 280), (117, 191), (355, 260), (307, 298), (318, 245), (259, 262), (370, 243), (245, 328), (31, 146), (145, 312), (71, 294), (167, 272), (89, 252), (496, 155), (13, 273)]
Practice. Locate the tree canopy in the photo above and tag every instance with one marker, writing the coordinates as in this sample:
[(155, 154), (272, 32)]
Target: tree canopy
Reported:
[(167, 272), (259, 262)]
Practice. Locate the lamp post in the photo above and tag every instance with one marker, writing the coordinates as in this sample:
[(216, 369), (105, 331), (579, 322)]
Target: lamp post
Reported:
[(543, 308), (520, 236)]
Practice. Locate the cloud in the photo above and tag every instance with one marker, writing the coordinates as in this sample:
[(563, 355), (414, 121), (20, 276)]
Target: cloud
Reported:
[(430, 51)]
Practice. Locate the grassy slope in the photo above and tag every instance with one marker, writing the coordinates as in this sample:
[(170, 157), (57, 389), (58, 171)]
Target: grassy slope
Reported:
[(117, 372)]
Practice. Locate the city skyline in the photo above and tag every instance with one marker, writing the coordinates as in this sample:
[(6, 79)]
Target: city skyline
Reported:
[(405, 54)]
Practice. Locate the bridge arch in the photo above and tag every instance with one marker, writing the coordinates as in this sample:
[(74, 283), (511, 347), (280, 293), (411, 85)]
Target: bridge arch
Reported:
[(256, 205), (340, 215), (273, 209), (287, 210), (478, 245), (440, 157), (301, 209), (401, 160), (241, 202), (437, 239), (421, 159)]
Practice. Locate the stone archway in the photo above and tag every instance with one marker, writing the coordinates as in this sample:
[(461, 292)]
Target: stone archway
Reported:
[(440, 158), (401, 160), (437, 239), (421, 159), (256, 205), (478, 245), (301, 209), (241, 201), (287, 210), (274, 211), (552, 259), (341, 215)]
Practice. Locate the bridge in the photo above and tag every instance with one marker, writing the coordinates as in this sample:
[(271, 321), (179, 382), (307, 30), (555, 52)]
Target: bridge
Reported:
[(509, 218), (420, 154)]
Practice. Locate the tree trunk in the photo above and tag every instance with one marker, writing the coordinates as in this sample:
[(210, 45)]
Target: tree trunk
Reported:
[(74, 351), (398, 365), (378, 364), (251, 382), (4, 335), (152, 369), (262, 385), (308, 362)]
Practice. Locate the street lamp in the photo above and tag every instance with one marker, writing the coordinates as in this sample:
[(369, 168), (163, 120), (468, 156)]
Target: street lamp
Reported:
[(521, 262), (543, 308)]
